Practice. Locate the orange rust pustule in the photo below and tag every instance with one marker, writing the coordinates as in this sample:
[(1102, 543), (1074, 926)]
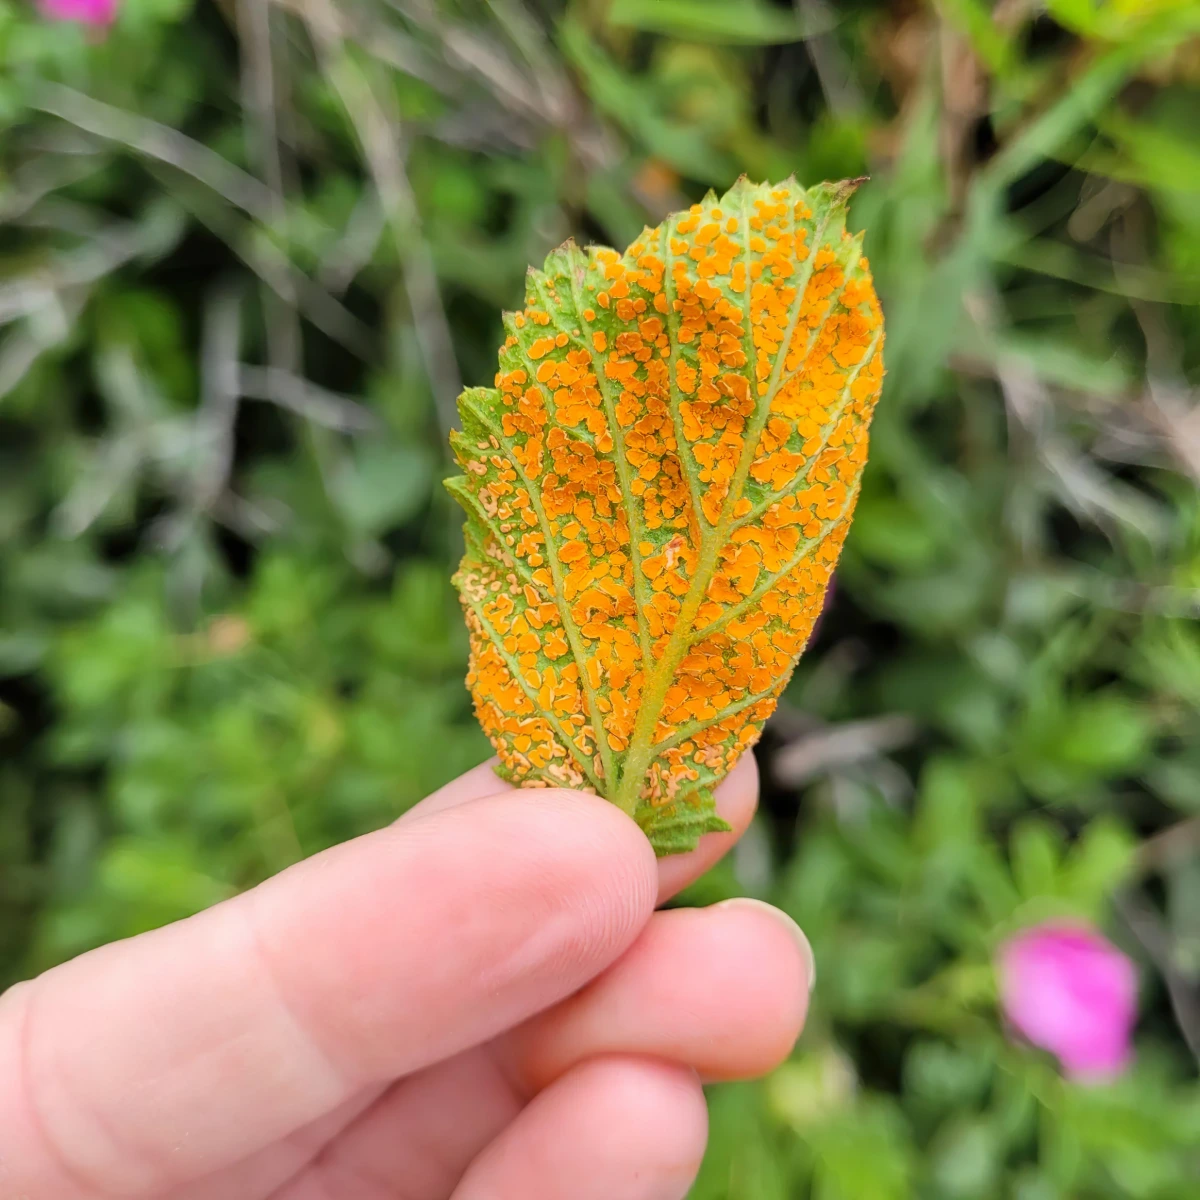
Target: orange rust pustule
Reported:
[(659, 486)]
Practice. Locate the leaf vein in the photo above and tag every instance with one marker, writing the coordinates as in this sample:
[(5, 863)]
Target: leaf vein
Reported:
[(574, 637), (687, 463), (774, 497), (756, 596), (632, 507), (515, 671)]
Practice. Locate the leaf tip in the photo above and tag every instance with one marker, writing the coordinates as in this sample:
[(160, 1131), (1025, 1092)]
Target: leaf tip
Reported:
[(849, 186), (838, 194)]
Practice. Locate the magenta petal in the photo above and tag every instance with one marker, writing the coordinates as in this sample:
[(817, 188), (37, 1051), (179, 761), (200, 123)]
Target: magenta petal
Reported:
[(87, 12), (1071, 992), (1099, 1060)]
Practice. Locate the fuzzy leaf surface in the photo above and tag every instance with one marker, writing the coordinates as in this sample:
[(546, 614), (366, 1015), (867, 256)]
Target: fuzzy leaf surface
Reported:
[(657, 490)]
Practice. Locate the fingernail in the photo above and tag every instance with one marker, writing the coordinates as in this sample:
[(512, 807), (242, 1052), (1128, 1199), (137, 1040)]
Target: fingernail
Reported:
[(806, 950)]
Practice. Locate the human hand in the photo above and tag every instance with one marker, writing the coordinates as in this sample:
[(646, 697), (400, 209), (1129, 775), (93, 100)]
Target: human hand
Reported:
[(476, 1002)]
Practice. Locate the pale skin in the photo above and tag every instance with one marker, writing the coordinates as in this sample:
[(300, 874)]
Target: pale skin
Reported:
[(479, 1002)]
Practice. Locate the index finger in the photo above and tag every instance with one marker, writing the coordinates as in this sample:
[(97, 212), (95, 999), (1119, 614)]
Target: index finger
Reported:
[(152, 1062), (736, 799)]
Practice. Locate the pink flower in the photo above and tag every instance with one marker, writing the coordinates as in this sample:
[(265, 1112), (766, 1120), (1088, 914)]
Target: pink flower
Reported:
[(87, 12), (1069, 991)]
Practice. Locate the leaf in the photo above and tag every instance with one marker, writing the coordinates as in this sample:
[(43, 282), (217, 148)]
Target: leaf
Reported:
[(384, 486), (709, 20), (657, 491)]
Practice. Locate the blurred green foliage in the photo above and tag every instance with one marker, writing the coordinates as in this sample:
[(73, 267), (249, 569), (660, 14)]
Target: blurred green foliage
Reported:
[(249, 253)]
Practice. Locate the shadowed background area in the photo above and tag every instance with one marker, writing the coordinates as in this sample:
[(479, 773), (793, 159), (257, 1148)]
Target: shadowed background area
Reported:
[(249, 254)]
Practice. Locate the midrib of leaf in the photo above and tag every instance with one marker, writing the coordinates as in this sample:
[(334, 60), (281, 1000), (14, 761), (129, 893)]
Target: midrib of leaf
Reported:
[(568, 622), (641, 746), (633, 509), (515, 670)]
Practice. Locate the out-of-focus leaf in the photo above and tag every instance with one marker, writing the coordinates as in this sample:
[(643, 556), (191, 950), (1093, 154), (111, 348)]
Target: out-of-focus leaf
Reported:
[(966, 1158), (1056, 361), (1079, 104), (383, 485), (1066, 747), (620, 95), (1097, 865), (864, 1153), (1036, 851), (748, 21)]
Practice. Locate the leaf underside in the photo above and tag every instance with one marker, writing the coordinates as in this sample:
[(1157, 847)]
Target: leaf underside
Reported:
[(657, 490)]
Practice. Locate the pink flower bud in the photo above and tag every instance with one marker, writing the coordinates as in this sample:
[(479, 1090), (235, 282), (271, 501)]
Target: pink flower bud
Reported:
[(1070, 991), (87, 12)]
